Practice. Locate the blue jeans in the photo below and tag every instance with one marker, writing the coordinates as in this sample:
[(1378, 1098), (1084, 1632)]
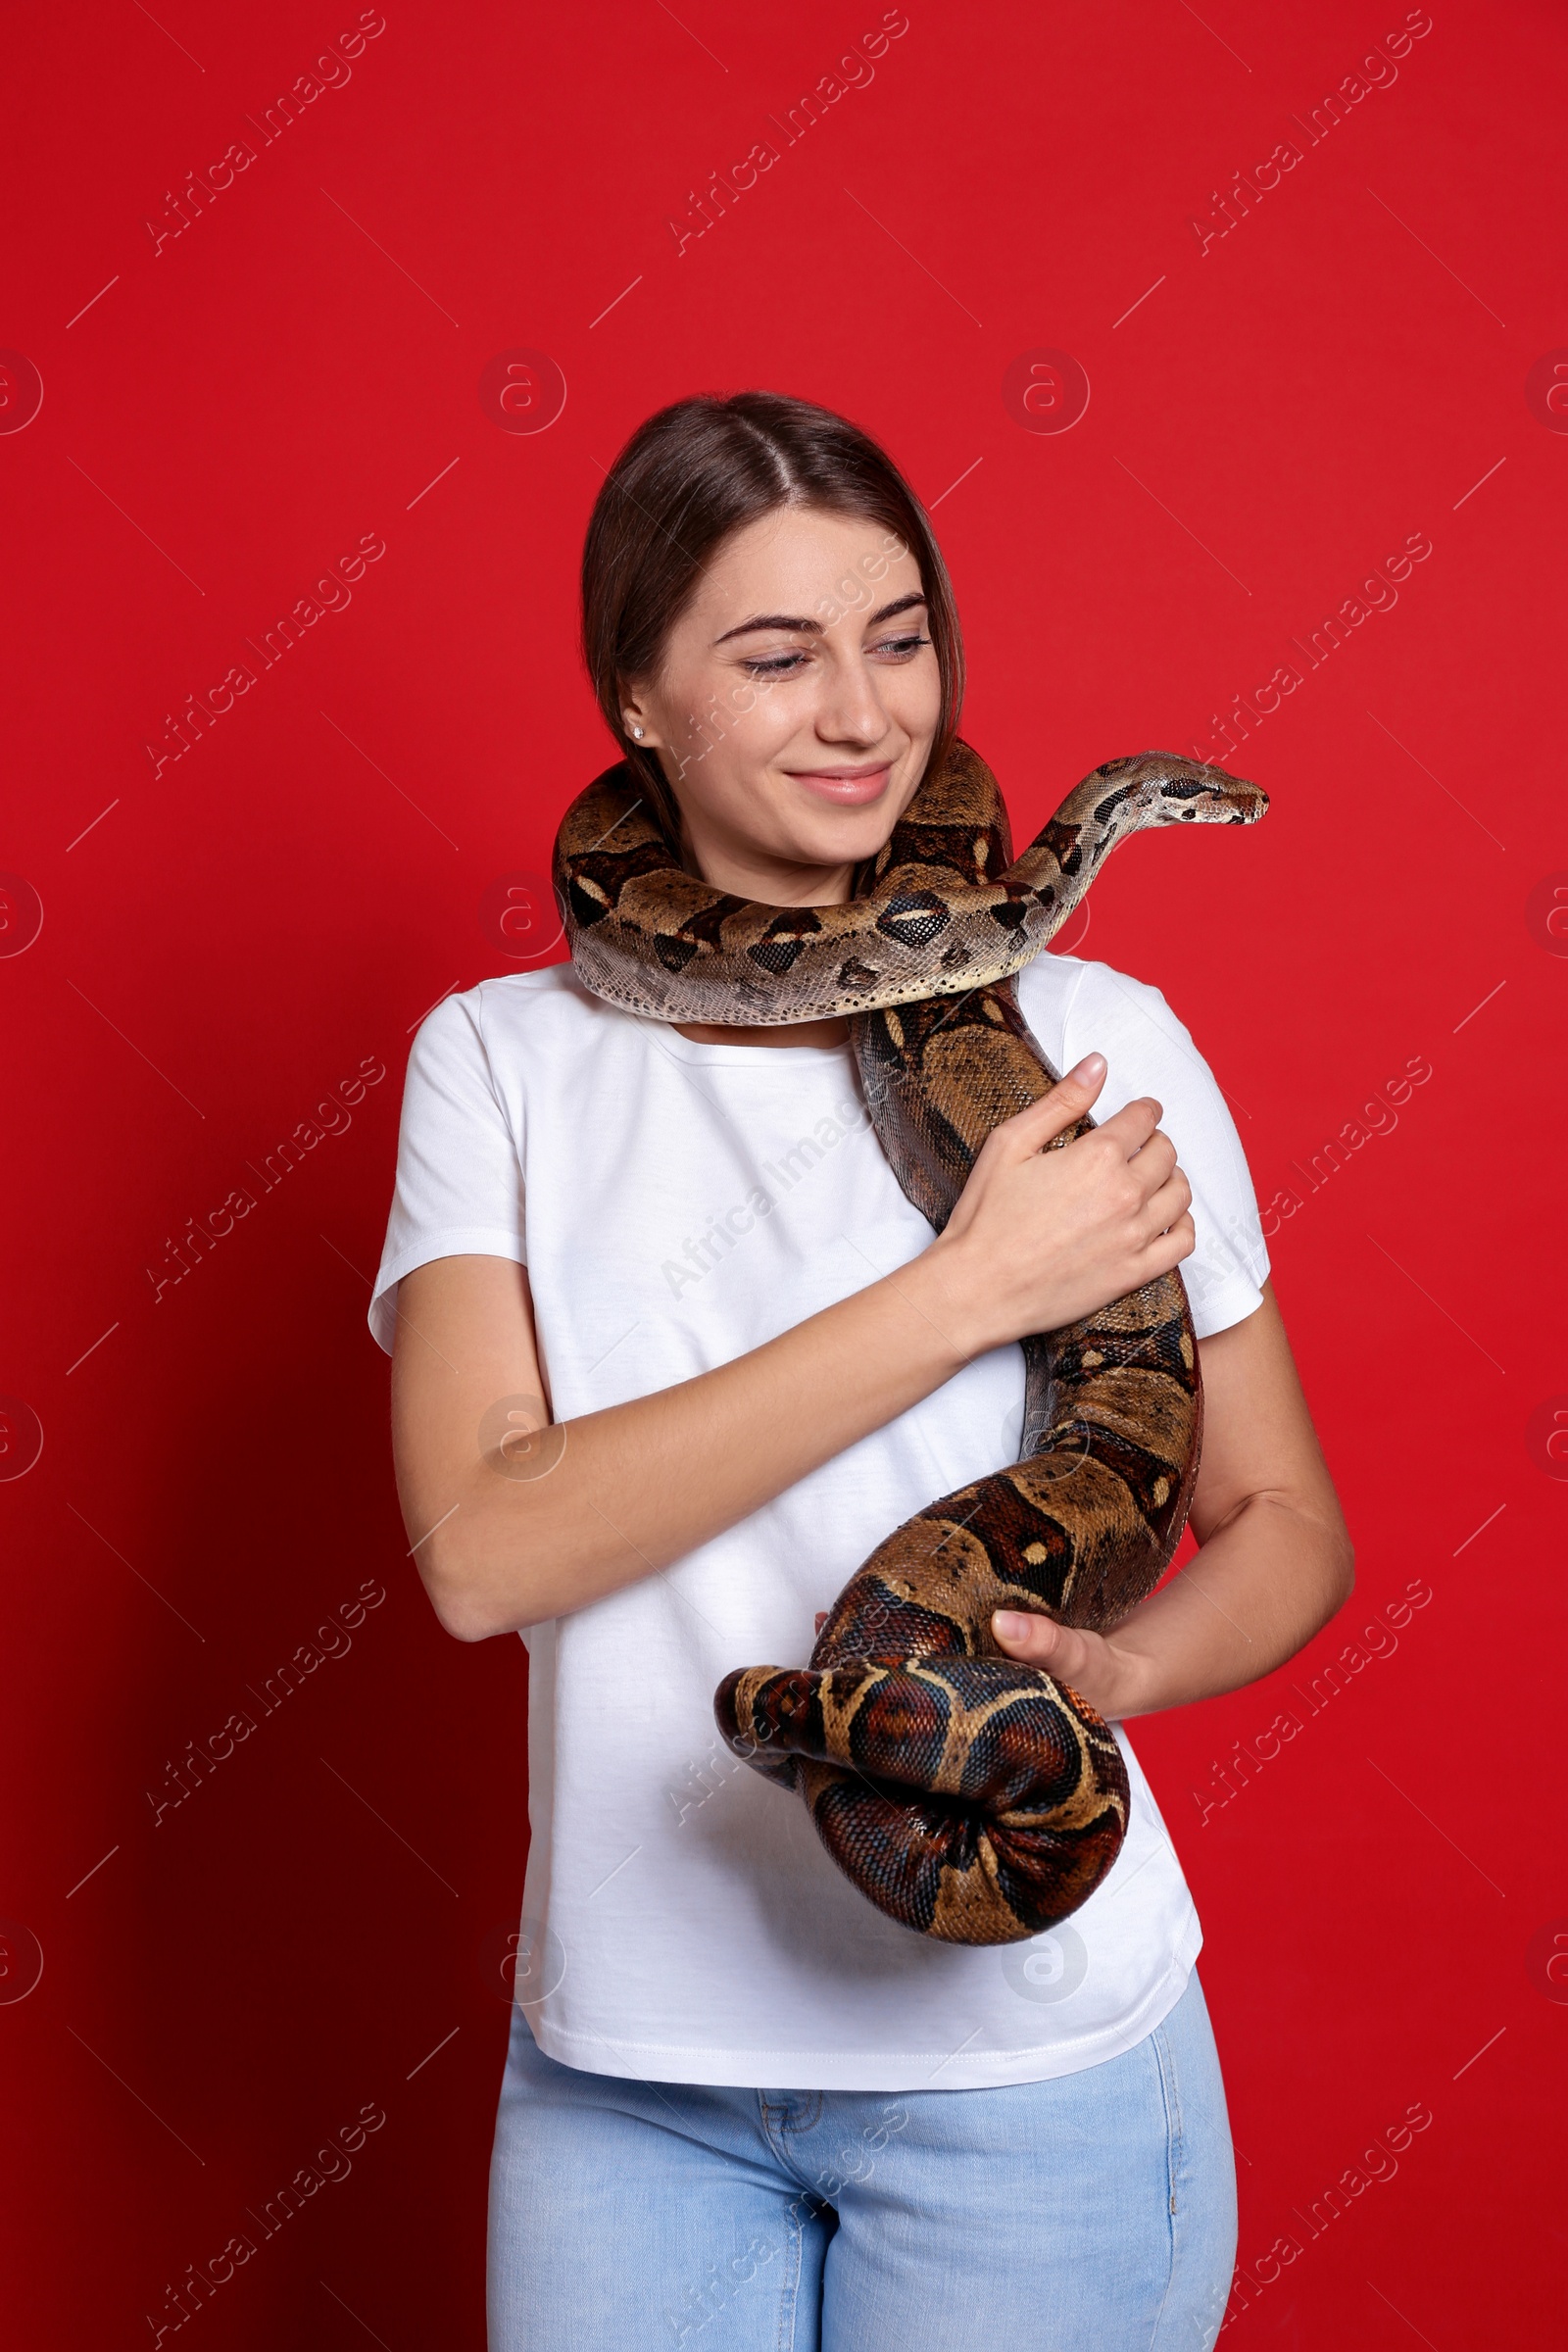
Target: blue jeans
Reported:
[(1094, 2212)]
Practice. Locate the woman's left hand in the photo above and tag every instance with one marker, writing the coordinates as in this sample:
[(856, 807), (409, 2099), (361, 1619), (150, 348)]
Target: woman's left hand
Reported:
[(1091, 1664)]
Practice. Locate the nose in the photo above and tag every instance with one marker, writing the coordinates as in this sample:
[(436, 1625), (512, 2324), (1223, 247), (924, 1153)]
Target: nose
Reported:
[(851, 710)]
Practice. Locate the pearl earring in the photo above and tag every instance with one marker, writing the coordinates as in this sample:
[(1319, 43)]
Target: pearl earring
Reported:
[(637, 731)]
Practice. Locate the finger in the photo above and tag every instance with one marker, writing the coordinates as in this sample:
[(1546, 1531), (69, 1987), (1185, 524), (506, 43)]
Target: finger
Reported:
[(1029, 1131), (1164, 1207), (1155, 1165), (1168, 1249), (1040, 1641), (1131, 1127)]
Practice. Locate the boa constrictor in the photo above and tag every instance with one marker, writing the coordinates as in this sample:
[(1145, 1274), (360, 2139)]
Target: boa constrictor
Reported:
[(970, 1797)]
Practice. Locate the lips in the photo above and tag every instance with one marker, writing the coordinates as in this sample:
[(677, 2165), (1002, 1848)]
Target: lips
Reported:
[(845, 787)]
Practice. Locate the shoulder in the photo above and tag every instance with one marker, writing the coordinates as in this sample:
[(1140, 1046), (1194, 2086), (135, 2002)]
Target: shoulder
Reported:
[(499, 1021), (1075, 1006), (1078, 1007)]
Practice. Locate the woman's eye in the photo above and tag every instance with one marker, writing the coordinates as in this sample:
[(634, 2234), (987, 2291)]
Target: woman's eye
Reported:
[(785, 665), (773, 665)]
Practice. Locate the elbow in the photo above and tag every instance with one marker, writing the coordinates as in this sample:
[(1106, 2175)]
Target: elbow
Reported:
[(1326, 1553), (462, 1618), (463, 1606), (475, 1597), (458, 1610), (1340, 1571)]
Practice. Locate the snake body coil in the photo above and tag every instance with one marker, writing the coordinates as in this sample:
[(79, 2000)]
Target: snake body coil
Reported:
[(969, 1796)]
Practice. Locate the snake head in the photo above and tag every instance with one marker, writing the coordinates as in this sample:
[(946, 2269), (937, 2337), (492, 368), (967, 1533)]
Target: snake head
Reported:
[(1159, 788)]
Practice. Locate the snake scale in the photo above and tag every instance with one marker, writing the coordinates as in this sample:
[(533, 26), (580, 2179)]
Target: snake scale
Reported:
[(970, 1797)]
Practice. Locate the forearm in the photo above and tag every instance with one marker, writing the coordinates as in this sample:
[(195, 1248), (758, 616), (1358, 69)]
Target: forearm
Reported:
[(1262, 1585), (622, 1494)]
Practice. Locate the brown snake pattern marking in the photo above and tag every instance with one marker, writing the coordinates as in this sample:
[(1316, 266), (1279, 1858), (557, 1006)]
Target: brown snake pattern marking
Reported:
[(969, 1796)]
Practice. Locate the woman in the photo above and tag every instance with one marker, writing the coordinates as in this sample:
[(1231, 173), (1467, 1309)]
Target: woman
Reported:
[(741, 2107)]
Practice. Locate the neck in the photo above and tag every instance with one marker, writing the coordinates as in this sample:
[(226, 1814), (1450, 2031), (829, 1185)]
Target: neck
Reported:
[(747, 872)]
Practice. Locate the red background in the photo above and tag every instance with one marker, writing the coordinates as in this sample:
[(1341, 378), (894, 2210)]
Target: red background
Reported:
[(223, 942)]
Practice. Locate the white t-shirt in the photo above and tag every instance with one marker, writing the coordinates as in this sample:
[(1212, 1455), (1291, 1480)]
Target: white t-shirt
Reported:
[(677, 1205)]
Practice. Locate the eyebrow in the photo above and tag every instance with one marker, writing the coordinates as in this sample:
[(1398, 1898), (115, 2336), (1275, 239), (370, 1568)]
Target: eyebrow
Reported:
[(786, 621)]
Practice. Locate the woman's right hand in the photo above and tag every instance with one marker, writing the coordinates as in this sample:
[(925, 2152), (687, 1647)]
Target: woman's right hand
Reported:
[(1039, 1237)]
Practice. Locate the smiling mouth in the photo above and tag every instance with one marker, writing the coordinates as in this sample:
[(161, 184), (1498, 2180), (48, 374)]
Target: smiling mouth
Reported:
[(848, 787)]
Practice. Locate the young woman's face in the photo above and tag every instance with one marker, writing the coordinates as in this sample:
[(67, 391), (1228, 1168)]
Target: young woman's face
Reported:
[(796, 702)]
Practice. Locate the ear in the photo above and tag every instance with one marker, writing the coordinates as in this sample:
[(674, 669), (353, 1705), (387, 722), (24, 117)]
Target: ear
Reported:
[(634, 715)]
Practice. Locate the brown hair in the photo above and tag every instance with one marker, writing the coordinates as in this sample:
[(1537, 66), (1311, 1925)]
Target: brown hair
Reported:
[(689, 476)]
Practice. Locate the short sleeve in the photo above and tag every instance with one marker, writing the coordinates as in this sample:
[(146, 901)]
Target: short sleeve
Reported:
[(1149, 1052), (459, 1187)]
